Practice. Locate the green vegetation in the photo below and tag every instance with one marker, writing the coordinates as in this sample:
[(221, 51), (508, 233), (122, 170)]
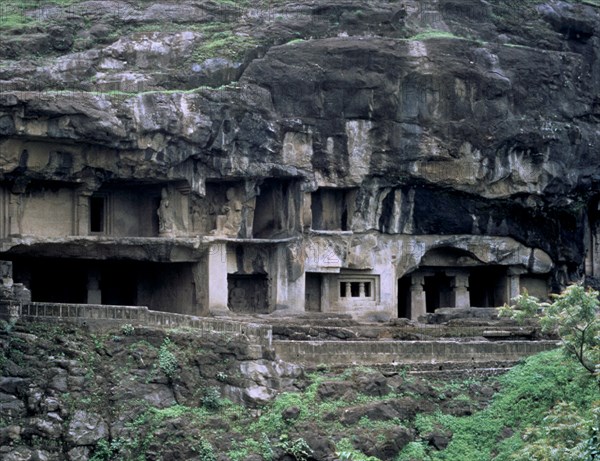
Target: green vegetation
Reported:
[(297, 447), (548, 408), (167, 361), (212, 398), (127, 329), (433, 33), (221, 41), (574, 316), (531, 394), (14, 13), (346, 452)]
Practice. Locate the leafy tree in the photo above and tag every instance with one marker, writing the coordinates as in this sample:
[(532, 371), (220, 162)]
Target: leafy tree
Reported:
[(574, 315)]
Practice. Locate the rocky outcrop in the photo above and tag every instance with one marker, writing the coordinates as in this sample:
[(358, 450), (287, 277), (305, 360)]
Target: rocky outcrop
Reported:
[(65, 393)]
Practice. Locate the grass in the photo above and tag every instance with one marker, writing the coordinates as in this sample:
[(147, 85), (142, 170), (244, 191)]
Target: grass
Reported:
[(433, 33), (13, 13), (221, 41)]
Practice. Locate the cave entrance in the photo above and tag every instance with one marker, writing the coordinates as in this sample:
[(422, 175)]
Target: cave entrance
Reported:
[(118, 283), (248, 294), (404, 297), (438, 291), (53, 280), (313, 292), (487, 287), (159, 286)]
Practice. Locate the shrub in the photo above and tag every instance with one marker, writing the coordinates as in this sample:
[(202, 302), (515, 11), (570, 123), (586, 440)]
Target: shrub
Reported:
[(205, 451), (297, 448), (167, 361), (127, 329), (211, 399)]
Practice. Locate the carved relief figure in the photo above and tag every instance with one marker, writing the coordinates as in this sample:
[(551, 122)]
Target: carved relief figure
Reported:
[(165, 215), (230, 220), (237, 297)]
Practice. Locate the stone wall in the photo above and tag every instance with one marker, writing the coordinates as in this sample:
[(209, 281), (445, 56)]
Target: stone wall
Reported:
[(312, 353), (99, 317)]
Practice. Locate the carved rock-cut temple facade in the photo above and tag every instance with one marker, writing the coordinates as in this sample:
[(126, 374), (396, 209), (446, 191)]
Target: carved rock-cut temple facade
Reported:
[(250, 246), (368, 169)]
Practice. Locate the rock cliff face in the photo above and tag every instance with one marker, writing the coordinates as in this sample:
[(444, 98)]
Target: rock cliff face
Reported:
[(434, 117)]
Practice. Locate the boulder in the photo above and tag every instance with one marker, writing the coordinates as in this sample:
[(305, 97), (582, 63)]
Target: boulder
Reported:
[(86, 428)]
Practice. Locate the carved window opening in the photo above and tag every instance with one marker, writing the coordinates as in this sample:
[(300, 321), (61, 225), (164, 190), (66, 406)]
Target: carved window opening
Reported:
[(358, 288), (332, 209), (98, 214)]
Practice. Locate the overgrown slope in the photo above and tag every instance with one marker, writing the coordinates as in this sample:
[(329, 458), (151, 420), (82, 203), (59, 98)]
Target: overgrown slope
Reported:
[(136, 395)]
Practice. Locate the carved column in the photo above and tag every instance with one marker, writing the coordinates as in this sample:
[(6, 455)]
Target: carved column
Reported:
[(460, 290), (347, 290), (361, 290), (15, 204), (216, 272), (82, 218), (418, 304)]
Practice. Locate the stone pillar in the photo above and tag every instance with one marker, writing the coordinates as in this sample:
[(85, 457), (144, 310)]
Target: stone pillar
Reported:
[(82, 220), (460, 289), (347, 290), (361, 289), (514, 283), (306, 215), (83, 214), (15, 203), (286, 279), (418, 304), (216, 272), (94, 294)]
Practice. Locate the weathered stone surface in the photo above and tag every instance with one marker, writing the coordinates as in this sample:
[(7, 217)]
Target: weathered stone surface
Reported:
[(385, 445), (9, 434), (442, 135), (19, 454), (11, 405), (404, 408), (86, 428), (78, 454), (439, 440)]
